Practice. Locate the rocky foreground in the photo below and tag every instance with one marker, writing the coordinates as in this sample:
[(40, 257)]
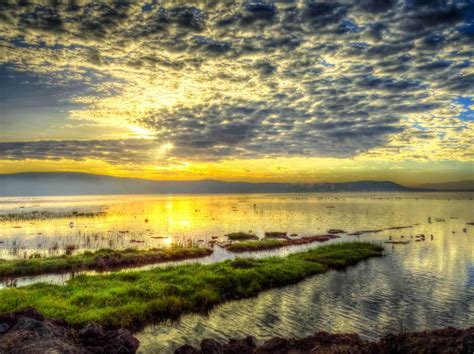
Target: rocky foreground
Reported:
[(27, 331), (448, 340)]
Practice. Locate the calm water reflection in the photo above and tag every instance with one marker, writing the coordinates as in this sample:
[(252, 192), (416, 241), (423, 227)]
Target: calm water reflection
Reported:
[(421, 285), (161, 220), (373, 299)]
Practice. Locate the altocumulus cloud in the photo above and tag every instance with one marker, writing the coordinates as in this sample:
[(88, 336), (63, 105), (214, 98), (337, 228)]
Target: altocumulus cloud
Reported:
[(125, 151), (250, 79)]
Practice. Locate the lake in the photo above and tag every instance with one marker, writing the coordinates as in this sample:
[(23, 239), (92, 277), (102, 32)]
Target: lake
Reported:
[(416, 286)]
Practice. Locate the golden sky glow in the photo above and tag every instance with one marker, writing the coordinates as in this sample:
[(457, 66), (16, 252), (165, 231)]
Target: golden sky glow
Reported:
[(300, 91)]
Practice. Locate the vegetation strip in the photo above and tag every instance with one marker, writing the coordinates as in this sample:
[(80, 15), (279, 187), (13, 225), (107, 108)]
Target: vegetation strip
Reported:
[(42, 215), (101, 260), (134, 299), (269, 243), (237, 236)]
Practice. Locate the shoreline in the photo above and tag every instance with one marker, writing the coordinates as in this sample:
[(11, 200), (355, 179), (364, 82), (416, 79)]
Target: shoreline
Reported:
[(411, 191), (444, 340), (28, 331)]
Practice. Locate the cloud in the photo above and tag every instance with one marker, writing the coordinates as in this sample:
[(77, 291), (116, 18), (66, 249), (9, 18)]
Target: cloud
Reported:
[(115, 151), (254, 79)]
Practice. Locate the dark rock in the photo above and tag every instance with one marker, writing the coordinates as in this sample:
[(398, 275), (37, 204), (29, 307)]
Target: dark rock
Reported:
[(118, 341), (335, 231), (91, 331), (448, 340), (186, 349), (275, 345), (4, 327), (27, 331), (210, 346), (241, 346)]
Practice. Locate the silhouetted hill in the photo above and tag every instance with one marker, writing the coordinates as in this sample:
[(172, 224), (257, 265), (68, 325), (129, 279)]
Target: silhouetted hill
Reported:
[(66, 183), (456, 185)]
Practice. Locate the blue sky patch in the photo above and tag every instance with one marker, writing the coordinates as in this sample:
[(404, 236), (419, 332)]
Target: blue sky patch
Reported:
[(466, 102)]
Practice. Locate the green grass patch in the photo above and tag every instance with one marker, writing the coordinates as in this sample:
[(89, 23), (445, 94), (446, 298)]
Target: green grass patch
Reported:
[(238, 236), (252, 246), (101, 260), (134, 299), (272, 243)]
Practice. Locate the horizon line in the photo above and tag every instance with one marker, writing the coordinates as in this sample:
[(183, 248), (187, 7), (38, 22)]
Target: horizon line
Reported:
[(237, 181)]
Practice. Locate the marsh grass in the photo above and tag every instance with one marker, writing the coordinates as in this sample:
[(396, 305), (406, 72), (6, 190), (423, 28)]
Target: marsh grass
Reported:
[(42, 215), (252, 246), (238, 236), (101, 260), (134, 299), (272, 243)]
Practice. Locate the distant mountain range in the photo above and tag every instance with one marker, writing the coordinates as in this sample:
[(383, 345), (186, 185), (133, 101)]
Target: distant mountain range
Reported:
[(458, 185), (67, 183)]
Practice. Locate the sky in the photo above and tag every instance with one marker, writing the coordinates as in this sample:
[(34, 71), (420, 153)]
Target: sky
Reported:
[(289, 91)]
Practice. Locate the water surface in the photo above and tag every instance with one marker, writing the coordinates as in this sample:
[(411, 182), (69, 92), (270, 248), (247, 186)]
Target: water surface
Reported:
[(421, 285)]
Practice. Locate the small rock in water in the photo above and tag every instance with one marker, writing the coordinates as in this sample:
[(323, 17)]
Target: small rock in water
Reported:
[(336, 231)]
